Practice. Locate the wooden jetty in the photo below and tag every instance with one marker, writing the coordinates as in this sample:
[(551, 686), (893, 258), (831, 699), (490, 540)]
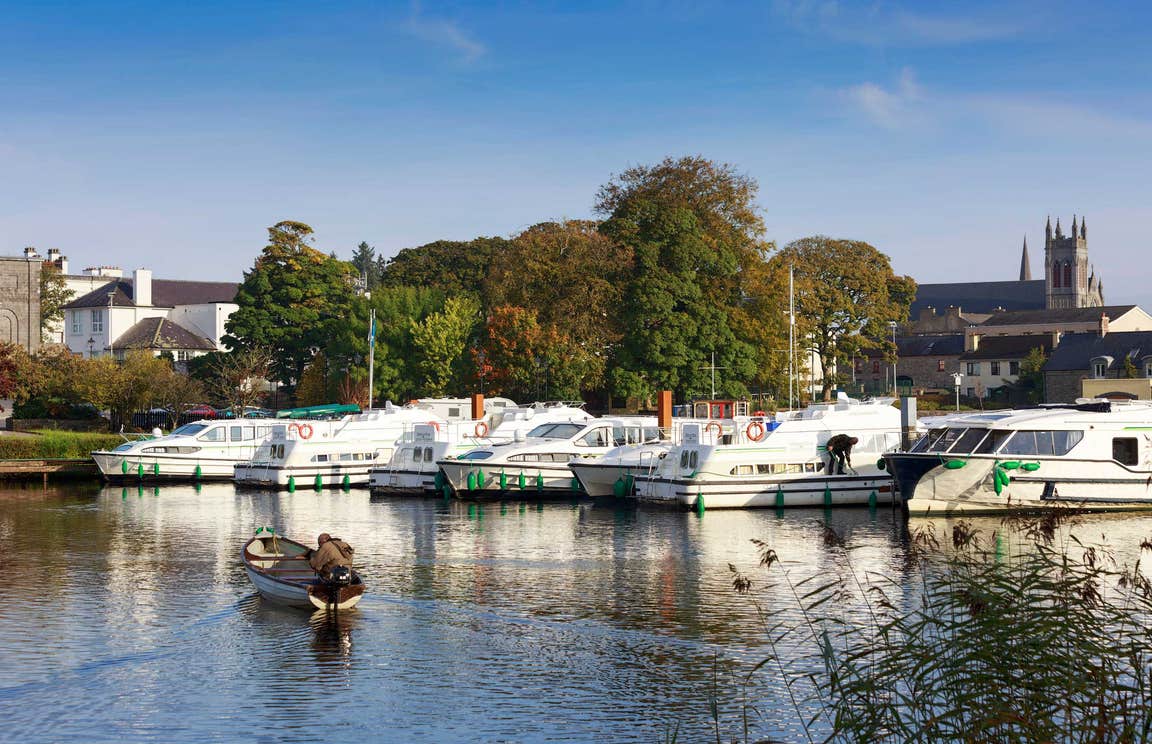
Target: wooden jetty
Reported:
[(43, 468)]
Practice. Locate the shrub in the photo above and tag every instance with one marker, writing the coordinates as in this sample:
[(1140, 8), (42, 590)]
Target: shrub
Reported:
[(55, 445)]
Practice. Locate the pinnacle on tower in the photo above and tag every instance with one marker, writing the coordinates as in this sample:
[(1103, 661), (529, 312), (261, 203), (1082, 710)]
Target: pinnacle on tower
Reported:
[(1059, 232), (1048, 228), (1025, 265), (1073, 225), (1083, 228)]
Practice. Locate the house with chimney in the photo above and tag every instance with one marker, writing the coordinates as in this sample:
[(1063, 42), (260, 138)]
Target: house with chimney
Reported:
[(1107, 364), (116, 314)]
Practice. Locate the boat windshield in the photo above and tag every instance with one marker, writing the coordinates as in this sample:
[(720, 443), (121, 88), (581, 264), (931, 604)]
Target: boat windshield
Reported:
[(926, 441), (947, 439), (188, 430), (555, 431), (475, 455), (993, 441), (1041, 443), (968, 441)]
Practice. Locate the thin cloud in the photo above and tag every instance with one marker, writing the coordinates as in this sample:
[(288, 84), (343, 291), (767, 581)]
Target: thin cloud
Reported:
[(886, 25), (892, 108), (445, 33)]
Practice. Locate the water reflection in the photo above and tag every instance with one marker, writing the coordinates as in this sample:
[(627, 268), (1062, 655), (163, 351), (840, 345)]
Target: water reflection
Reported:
[(128, 612)]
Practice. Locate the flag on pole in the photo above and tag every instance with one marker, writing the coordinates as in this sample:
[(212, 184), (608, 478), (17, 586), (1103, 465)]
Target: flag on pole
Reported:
[(372, 331)]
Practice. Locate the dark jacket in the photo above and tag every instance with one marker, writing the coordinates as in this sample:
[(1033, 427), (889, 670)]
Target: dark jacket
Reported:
[(334, 552), (841, 444)]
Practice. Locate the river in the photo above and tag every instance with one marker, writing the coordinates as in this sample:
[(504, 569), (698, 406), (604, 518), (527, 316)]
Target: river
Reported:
[(127, 616)]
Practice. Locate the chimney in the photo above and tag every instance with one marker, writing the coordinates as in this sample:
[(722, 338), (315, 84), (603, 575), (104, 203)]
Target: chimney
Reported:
[(142, 287), (30, 252), (1055, 339), (1103, 325), (927, 313)]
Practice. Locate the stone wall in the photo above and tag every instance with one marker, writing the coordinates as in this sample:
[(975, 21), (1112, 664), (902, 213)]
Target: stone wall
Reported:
[(20, 301), (1063, 387)]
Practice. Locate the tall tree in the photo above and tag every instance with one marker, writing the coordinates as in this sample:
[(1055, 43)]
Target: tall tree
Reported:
[(846, 296), (294, 301), (452, 266), (524, 359), (16, 374), (364, 259), (690, 225), (234, 379), (396, 371), (54, 295), (572, 277), (441, 341)]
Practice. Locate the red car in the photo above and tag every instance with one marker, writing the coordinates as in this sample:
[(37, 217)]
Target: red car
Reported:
[(200, 412)]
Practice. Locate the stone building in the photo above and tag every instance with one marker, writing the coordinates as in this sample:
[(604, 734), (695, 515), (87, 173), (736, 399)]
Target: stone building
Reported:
[(1070, 280), (1106, 364), (20, 300)]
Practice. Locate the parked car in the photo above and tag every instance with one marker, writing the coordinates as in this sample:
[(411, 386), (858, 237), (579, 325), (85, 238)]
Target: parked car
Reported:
[(201, 412)]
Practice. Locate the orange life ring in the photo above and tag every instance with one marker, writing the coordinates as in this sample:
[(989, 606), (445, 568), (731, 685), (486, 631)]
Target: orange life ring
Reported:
[(293, 427), (481, 429), (435, 425), (719, 429), (759, 430), (305, 431)]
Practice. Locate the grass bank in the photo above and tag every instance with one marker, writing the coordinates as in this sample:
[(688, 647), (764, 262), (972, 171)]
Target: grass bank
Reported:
[(55, 445)]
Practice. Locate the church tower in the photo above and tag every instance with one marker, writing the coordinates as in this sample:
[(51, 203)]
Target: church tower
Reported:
[(1070, 281)]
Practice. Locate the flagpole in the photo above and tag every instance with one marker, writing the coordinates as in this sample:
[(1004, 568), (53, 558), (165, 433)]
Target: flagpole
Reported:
[(371, 354)]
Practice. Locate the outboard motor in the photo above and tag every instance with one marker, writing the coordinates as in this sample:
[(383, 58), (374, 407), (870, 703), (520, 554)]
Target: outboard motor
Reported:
[(339, 576)]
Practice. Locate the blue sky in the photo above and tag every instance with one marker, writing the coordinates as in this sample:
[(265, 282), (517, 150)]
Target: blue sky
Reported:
[(171, 135)]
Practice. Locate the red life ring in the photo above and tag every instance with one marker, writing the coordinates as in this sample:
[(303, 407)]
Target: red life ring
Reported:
[(759, 413), (719, 429), (305, 431), (435, 425), (759, 430), (481, 429), (293, 427)]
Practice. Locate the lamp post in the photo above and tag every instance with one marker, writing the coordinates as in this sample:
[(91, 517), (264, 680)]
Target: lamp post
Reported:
[(895, 351), (91, 345), (956, 377)]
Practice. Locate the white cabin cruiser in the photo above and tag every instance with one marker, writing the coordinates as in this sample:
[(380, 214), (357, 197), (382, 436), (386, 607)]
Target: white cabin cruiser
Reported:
[(777, 461), (538, 465), (412, 467), (201, 450), (1094, 455)]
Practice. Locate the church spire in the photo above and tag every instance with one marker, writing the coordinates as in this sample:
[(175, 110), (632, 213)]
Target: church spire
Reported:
[(1025, 265), (1048, 229), (1059, 232), (1083, 228), (1073, 225)]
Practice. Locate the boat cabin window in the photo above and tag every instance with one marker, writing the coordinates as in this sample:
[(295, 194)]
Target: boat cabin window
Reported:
[(213, 435), (946, 440), (188, 430), (475, 455), (1126, 450), (1041, 443), (601, 437), (741, 470), (278, 451), (320, 458), (968, 441), (555, 431), (242, 433), (993, 441), (411, 454), (427, 455), (689, 459), (927, 440), (171, 450)]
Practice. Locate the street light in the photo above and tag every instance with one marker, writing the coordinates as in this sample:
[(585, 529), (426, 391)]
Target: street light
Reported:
[(91, 344), (895, 352), (956, 378)]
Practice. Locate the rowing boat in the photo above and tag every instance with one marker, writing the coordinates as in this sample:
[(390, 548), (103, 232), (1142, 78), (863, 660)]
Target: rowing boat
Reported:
[(278, 568)]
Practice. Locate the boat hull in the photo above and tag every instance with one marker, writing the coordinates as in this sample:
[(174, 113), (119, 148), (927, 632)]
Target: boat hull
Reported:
[(607, 480), (931, 487), (117, 467), (472, 480), (752, 493), (402, 481), (281, 477), (286, 579)]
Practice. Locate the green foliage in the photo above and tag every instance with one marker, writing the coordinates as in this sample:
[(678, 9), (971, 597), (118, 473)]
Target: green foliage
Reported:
[(55, 445), (54, 295), (1130, 370), (452, 266), (525, 360), (364, 260), (690, 225), (397, 374), (1031, 636), (294, 301), (441, 341), (846, 295), (234, 379), (15, 371), (1031, 379)]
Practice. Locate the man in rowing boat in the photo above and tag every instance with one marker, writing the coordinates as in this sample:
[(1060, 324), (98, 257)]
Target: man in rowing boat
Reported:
[(839, 450), (329, 553)]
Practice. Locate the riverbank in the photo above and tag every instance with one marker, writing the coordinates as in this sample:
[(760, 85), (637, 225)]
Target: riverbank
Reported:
[(54, 445)]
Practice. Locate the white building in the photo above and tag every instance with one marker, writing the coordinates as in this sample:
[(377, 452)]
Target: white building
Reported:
[(112, 314)]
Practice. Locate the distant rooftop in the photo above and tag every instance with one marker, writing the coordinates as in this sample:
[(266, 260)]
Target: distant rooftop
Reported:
[(981, 297)]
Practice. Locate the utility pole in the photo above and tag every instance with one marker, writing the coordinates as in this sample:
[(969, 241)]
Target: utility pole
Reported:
[(371, 353), (791, 338)]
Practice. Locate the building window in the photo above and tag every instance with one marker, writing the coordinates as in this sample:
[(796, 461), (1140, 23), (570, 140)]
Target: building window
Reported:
[(1013, 368), (970, 392), (994, 368), (973, 369), (97, 321), (939, 365), (1099, 369), (181, 355), (77, 326), (1067, 274), (876, 367), (1148, 367)]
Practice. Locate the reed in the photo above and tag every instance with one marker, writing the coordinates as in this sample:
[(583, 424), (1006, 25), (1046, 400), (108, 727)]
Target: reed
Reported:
[(55, 445), (1023, 635)]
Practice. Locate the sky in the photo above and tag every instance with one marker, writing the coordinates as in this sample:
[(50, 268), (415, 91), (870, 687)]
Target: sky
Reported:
[(172, 135)]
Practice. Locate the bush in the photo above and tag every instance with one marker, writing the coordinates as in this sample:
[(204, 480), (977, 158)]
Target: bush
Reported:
[(55, 445)]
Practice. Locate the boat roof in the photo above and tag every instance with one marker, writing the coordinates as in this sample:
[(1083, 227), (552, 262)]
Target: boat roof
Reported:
[(1080, 414)]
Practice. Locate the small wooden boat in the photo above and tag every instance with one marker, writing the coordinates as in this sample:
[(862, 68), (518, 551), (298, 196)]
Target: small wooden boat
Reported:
[(278, 568)]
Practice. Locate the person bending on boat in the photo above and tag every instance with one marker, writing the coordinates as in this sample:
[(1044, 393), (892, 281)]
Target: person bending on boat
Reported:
[(839, 450), (329, 553)]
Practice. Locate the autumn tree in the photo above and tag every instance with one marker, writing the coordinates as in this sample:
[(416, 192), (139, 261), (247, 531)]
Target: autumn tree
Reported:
[(441, 342), (236, 379), (176, 392), (524, 359), (294, 301), (16, 373), (690, 225), (122, 387), (846, 296), (452, 266), (572, 277)]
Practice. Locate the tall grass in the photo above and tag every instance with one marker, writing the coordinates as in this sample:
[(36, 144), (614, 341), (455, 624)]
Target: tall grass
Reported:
[(55, 445), (1024, 635)]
